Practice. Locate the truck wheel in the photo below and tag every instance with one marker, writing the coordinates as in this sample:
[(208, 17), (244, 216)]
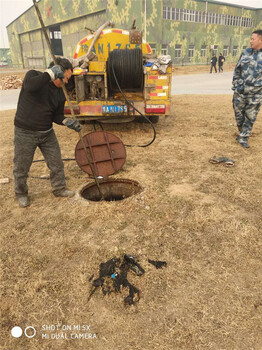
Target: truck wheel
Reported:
[(154, 119)]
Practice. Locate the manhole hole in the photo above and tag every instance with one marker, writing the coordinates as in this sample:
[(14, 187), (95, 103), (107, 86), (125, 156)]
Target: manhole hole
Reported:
[(112, 190)]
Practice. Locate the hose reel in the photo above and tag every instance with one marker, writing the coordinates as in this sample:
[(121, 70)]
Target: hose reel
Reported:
[(128, 68)]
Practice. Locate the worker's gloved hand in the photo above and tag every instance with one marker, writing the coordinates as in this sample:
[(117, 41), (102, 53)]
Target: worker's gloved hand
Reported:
[(72, 123), (56, 72)]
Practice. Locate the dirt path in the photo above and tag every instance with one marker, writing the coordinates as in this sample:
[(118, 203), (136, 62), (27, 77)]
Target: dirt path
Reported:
[(203, 219)]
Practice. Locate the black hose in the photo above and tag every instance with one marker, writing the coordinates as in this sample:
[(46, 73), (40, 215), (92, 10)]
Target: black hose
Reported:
[(94, 125), (128, 67), (42, 160), (115, 59)]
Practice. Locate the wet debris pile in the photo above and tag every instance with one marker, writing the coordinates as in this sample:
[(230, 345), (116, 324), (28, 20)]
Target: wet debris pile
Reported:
[(113, 277), (9, 82), (157, 264)]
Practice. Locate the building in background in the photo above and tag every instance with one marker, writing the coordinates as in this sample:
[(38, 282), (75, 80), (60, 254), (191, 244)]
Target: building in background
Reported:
[(190, 31)]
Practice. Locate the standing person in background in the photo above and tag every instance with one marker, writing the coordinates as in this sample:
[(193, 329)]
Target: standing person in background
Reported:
[(213, 63), (41, 103), (221, 60), (247, 86)]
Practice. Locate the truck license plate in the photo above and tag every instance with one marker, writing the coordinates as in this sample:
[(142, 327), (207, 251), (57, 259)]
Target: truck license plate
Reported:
[(114, 109)]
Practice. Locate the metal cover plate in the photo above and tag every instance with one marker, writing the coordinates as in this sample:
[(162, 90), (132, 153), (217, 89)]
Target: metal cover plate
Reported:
[(135, 36), (106, 152)]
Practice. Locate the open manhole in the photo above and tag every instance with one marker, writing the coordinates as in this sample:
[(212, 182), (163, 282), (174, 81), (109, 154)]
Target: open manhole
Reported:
[(112, 190), (107, 154)]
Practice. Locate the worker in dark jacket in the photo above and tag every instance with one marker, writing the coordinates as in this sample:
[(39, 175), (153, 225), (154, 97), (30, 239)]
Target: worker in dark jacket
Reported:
[(41, 102), (247, 86), (213, 63), (221, 60)]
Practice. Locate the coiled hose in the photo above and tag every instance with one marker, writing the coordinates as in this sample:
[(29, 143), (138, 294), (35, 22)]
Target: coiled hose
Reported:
[(125, 71), (128, 67)]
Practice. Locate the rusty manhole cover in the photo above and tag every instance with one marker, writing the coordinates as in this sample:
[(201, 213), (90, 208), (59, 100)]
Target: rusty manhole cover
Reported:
[(106, 151)]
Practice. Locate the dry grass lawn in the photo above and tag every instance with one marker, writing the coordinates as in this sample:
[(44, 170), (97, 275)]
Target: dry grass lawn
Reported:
[(199, 69), (203, 219)]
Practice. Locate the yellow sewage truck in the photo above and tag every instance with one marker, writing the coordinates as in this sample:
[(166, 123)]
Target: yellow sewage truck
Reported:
[(118, 78)]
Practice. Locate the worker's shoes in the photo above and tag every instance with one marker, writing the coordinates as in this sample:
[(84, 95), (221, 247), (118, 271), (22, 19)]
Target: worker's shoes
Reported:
[(244, 144), (64, 193), (23, 201), (242, 141)]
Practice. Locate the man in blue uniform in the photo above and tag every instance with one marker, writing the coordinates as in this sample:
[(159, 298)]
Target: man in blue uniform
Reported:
[(247, 86), (41, 102)]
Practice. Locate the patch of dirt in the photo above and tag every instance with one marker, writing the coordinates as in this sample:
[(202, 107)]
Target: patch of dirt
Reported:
[(203, 219), (199, 69), (186, 190)]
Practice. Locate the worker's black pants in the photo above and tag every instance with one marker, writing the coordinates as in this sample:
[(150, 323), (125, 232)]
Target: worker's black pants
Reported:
[(213, 66), (26, 142)]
